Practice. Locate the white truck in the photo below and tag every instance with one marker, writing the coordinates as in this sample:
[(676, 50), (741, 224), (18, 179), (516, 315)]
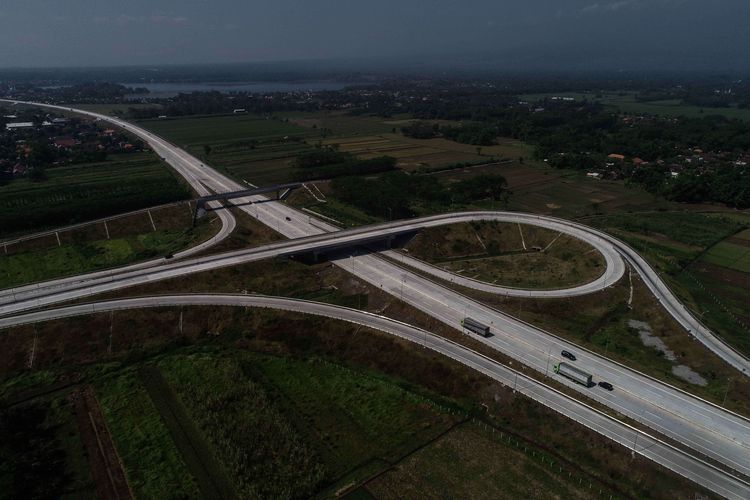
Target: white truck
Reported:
[(574, 374)]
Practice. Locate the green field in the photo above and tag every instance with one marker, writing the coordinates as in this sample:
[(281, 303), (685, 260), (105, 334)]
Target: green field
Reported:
[(280, 427), (261, 150), (355, 419), (254, 148), (201, 458), (704, 257), (153, 465), (41, 455), (75, 193), (448, 468), (340, 123), (503, 254), (626, 102), (291, 406), (729, 255), (84, 256)]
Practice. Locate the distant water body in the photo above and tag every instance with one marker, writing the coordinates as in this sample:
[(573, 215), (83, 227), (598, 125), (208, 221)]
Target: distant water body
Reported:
[(172, 89)]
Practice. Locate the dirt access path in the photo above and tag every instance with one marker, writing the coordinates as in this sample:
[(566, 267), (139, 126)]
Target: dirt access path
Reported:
[(106, 467)]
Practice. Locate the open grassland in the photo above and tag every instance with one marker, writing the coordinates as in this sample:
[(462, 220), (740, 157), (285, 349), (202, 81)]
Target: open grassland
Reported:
[(220, 129), (509, 254), (263, 453), (261, 149), (428, 154), (569, 194), (732, 253), (41, 454), (343, 391), (473, 461), (153, 464), (199, 455), (356, 420), (75, 193), (412, 154), (703, 257), (626, 102), (258, 149), (341, 124), (132, 239)]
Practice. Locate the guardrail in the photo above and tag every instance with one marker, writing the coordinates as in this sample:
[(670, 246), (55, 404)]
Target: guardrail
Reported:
[(420, 336)]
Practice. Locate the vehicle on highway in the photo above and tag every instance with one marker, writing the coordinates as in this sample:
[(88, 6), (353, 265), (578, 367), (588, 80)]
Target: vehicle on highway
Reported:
[(475, 326), (169, 256), (574, 374), (288, 218), (606, 385), (569, 355)]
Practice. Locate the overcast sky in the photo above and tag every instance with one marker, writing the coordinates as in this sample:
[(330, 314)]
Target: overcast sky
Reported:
[(676, 34)]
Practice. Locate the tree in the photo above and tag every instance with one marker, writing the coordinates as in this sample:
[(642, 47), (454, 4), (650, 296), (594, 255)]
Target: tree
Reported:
[(207, 149), (37, 174)]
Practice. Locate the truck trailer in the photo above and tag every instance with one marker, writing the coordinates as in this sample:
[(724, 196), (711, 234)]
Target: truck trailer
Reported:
[(475, 326), (574, 374)]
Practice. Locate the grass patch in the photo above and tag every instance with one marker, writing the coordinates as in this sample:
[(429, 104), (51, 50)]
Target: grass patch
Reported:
[(84, 256), (255, 148), (200, 457), (494, 252), (354, 418), (406, 375), (75, 193), (473, 462), (729, 255), (700, 258), (265, 454), (41, 455), (26, 380), (152, 462), (695, 230)]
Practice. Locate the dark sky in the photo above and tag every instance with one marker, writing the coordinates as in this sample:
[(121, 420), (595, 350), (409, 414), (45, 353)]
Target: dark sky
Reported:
[(517, 34)]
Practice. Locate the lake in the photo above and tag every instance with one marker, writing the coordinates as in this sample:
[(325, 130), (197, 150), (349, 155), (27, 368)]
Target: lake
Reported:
[(168, 89)]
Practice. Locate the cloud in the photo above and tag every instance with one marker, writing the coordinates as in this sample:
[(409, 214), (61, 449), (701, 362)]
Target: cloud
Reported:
[(610, 6), (154, 19), (174, 20), (617, 5)]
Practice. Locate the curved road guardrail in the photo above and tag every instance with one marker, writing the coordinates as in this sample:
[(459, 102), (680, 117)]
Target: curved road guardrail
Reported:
[(637, 441)]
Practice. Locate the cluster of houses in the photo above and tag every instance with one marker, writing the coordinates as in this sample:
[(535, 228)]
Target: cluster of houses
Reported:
[(695, 157), (9, 126), (63, 137)]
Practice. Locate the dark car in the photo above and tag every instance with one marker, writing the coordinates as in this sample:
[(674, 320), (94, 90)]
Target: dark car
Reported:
[(569, 355), (169, 256), (288, 218), (606, 385)]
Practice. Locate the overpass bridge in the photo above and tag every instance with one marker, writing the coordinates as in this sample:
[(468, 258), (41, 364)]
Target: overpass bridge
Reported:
[(282, 190)]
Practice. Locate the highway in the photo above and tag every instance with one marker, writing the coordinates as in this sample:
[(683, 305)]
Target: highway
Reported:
[(637, 441), (613, 271), (702, 426), (200, 177)]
